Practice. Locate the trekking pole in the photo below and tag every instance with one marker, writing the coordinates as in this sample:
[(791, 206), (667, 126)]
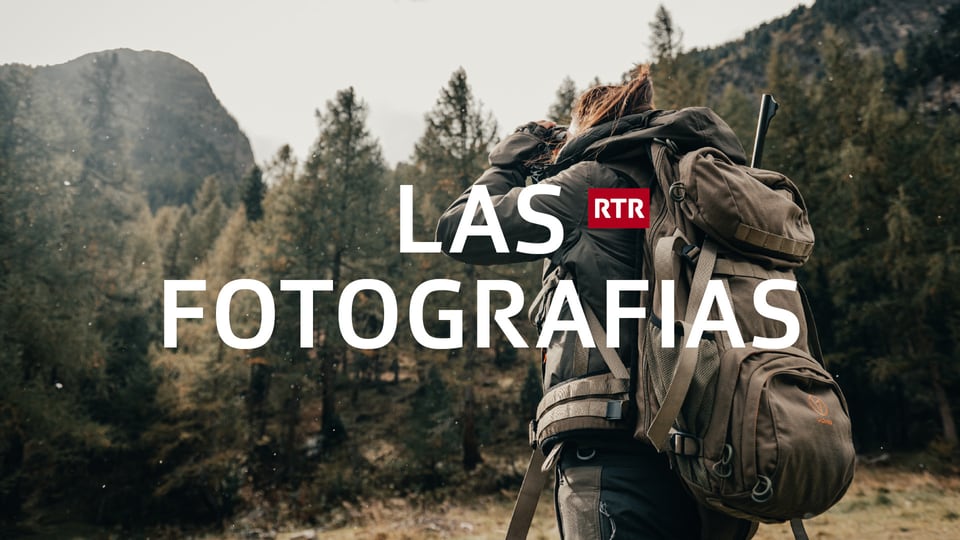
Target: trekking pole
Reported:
[(768, 108)]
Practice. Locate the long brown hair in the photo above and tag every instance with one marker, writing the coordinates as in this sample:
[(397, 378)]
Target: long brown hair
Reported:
[(608, 103)]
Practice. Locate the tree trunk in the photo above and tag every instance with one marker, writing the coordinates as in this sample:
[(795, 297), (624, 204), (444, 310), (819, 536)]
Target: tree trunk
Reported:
[(943, 404), (291, 420), (331, 425), (259, 390), (471, 443)]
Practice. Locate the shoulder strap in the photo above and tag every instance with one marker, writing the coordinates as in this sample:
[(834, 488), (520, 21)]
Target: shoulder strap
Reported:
[(610, 356), (663, 169)]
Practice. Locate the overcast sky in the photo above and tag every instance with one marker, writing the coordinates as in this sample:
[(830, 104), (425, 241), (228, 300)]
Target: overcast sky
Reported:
[(272, 64)]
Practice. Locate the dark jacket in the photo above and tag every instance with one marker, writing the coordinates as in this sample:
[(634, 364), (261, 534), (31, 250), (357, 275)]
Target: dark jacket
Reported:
[(612, 155)]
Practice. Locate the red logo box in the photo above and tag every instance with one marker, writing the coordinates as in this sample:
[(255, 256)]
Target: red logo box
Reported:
[(618, 208)]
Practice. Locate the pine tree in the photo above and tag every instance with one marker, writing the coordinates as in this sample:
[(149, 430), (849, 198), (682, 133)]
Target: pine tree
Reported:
[(665, 37), (253, 192), (77, 281), (318, 225), (562, 106), (208, 217), (451, 154), (739, 112), (173, 229), (348, 165), (681, 79)]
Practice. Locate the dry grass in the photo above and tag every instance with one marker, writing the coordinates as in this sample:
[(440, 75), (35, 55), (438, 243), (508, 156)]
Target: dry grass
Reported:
[(881, 504), (888, 504)]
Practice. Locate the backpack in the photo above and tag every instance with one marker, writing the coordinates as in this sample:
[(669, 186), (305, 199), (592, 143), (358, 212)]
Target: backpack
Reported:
[(760, 434)]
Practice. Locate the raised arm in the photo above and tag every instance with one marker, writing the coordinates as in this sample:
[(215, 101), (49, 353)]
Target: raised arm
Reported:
[(504, 182)]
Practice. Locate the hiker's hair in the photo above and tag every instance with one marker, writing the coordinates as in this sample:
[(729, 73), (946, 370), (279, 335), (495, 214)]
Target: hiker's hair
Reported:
[(608, 103)]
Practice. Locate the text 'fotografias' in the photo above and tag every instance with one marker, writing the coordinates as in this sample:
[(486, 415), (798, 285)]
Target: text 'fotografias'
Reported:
[(609, 208)]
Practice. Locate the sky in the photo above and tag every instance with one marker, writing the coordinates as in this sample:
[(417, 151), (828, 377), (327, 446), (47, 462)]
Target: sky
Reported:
[(273, 64)]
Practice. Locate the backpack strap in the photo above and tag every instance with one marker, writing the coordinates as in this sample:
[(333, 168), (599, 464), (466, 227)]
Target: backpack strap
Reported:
[(659, 431), (533, 482), (665, 264), (813, 337), (799, 533), (610, 356), (773, 242)]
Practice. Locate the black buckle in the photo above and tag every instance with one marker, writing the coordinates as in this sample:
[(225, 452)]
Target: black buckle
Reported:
[(669, 143), (532, 434), (690, 253), (684, 444)]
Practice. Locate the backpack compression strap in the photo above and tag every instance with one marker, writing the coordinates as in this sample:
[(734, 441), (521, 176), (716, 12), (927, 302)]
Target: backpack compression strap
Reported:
[(610, 356), (659, 431)]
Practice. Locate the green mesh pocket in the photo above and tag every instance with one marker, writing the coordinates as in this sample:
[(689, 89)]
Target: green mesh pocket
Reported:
[(661, 362)]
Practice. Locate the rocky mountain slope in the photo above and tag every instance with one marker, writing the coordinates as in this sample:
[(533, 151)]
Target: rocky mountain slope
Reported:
[(172, 128)]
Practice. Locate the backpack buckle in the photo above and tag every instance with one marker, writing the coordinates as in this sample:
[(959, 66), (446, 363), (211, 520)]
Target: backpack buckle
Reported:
[(614, 410), (690, 253), (684, 444), (532, 434), (723, 468)]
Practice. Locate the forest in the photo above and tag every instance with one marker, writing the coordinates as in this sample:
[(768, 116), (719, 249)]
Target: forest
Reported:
[(100, 424)]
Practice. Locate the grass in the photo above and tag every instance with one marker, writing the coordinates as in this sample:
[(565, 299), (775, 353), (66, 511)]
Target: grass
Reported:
[(887, 503), (882, 503)]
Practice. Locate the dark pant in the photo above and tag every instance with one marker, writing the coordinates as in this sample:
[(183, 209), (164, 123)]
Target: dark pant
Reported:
[(630, 493)]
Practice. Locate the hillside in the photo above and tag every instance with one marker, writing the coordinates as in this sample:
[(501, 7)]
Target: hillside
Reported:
[(881, 26), (173, 129)]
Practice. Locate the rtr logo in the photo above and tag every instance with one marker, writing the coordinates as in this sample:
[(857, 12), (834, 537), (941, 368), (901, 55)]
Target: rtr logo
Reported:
[(618, 208)]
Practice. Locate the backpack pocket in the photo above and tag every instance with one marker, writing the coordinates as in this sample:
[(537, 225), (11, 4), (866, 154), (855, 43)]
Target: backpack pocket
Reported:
[(755, 212), (661, 363), (785, 450)]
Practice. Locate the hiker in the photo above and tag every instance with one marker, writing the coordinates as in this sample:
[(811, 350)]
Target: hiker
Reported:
[(608, 483)]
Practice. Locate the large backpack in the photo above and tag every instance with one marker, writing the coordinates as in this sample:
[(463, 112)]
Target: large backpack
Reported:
[(760, 434)]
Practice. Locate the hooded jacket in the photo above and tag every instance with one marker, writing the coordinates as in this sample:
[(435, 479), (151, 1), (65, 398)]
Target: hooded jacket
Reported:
[(610, 155)]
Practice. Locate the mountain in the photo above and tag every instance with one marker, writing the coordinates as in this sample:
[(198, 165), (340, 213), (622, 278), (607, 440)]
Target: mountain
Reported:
[(172, 129), (921, 36)]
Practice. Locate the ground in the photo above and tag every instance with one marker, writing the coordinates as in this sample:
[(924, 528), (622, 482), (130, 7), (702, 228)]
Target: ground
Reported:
[(882, 503)]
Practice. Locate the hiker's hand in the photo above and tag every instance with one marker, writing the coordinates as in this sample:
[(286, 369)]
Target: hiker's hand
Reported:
[(540, 129), (531, 145)]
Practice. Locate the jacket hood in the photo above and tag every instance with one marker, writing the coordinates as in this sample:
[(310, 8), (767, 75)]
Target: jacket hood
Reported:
[(689, 129)]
